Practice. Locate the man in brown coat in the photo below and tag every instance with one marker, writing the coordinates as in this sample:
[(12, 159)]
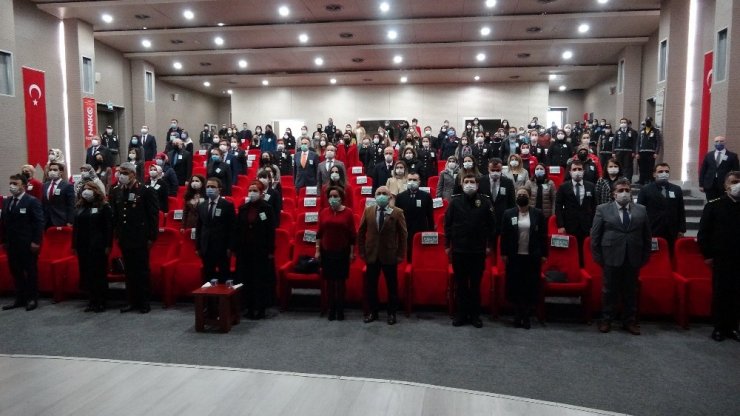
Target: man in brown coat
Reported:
[(382, 244)]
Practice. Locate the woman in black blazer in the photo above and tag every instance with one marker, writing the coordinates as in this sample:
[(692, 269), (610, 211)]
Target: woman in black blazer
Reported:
[(92, 238), (523, 250), (254, 246)]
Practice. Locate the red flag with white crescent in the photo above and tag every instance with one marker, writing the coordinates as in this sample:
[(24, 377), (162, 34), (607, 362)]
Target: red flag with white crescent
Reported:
[(34, 93), (706, 106)]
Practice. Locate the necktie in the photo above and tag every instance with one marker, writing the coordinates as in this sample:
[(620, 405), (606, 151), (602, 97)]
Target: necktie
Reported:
[(718, 157), (304, 158), (578, 193), (494, 190), (625, 217), (51, 189), (665, 191), (381, 218), (210, 209), (13, 203), (329, 166)]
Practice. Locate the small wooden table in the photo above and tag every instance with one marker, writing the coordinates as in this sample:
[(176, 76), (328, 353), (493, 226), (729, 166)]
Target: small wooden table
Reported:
[(228, 307)]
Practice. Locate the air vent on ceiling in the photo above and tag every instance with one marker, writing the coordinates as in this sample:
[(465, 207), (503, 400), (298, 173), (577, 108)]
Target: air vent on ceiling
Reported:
[(333, 7), (367, 79), (142, 16), (534, 29), (523, 55), (346, 35), (176, 41), (358, 60), (546, 1), (514, 77), (205, 64)]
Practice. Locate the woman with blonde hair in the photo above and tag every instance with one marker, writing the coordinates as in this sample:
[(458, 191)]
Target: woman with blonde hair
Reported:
[(516, 171), (397, 183)]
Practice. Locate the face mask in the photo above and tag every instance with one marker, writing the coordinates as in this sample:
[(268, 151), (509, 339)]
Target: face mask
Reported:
[(173, 125), (258, 131), (153, 174), (540, 173), (451, 133), (567, 131), (512, 135), (447, 124), (173, 137), (109, 131), (304, 132), (514, 163), (223, 148), (427, 132), (134, 141), (495, 175), (576, 175), (54, 174), (184, 136), (613, 171), (215, 158), (425, 145), (335, 202), (212, 193), (468, 165), (409, 156), (196, 185), (376, 140), (451, 165), (388, 158), (265, 181), (329, 154), (525, 151), (470, 188), (215, 140), (88, 195), (15, 190), (522, 200), (265, 161), (735, 190), (95, 142), (561, 136), (132, 156), (334, 176), (662, 177), (234, 145), (719, 146), (160, 162), (623, 198), (464, 142), (413, 185), (280, 147), (399, 172), (607, 131), (27, 175), (144, 131), (382, 200), (622, 126), (124, 179)]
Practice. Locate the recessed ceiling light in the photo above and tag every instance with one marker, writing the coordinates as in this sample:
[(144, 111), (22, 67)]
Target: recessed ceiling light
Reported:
[(146, 43), (384, 7), (477, 77), (229, 92), (220, 24), (303, 38), (107, 18), (177, 65), (333, 80), (485, 31), (242, 63), (318, 61), (552, 77), (392, 34), (583, 28), (397, 59), (188, 14), (404, 80), (284, 11), (480, 57), (603, 1), (490, 3), (206, 84), (567, 55), (562, 88), (218, 40), (265, 82), (144, 27)]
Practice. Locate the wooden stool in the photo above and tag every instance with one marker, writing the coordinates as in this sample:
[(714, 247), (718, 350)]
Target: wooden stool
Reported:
[(228, 307)]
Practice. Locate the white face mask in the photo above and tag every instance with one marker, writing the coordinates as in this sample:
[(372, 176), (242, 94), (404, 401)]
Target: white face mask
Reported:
[(376, 140), (334, 176), (495, 175), (622, 198), (613, 171), (468, 165), (329, 154), (399, 172), (409, 156), (514, 163), (124, 179), (144, 131), (109, 131), (662, 177), (132, 156), (561, 136), (322, 143), (54, 174), (470, 188), (525, 151), (15, 190), (153, 174), (452, 165), (577, 175), (223, 148), (253, 196), (388, 158), (735, 190), (622, 126), (95, 142), (264, 181), (88, 195), (196, 185)]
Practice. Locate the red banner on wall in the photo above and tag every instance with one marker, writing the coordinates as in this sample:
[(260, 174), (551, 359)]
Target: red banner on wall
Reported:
[(706, 104), (89, 114), (34, 97)]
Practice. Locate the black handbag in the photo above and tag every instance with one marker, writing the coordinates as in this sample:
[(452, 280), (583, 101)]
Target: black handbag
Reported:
[(306, 265), (555, 276)]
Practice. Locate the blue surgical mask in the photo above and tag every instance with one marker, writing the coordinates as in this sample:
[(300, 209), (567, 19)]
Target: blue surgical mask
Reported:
[(134, 141), (335, 202), (215, 158), (212, 193), (539, 173), (719, 146), (382, 200)]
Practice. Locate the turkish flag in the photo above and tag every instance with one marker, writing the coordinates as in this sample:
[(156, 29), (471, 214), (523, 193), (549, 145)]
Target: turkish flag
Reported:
[(34, 93), (706, 106)]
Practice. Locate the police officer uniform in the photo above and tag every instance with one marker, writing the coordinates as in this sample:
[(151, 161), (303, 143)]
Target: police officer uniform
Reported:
[(624, 149), (649, 145), (427, 163), (605, 147), (111, 142)]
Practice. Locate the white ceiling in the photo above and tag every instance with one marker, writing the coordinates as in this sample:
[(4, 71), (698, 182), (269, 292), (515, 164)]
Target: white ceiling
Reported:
[(437, 39)]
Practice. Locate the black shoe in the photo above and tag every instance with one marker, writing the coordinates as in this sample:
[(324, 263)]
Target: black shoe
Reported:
[(127, 308), (145, 309), (340, 315), (734, 334), (459, 321), (605, 326), (370, 318), (476, 322), (718, 336), (99, 309), (391, 319), (13, 306), (526, 323), (32, 305)]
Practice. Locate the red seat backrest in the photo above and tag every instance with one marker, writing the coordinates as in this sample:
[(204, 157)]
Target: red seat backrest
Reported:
[(287, 180), (167, 245), (564, 260), (302, 248), (289, 205), (429, 256), (57, 243), (659, 265), (589, 264), (689, 260), (552, 225), (187, 249), (432, 182), (282, 247)]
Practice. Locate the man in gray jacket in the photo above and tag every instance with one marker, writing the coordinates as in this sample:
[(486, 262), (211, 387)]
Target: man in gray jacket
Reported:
[(621, 244)]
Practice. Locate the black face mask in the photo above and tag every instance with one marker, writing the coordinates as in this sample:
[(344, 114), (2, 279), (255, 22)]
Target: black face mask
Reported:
[(522, 201)]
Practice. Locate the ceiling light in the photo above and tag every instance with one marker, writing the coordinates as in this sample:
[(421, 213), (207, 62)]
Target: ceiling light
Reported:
[(206, 84), (333, 80), (404, 80), (477, 77), (397, 59), (242, 63), (392, 34), (562, 88), (218, 40), (303, 38), (319, 61), (583, 28), (229, 92), (107, 18), (284, 11), (490, 3), (480, 57), (220, 24), (188, 14), (177, 65), (265, 82), (146, 43), (567, 55), (552, 77), (384, 7), (485, 31), (603, 1)]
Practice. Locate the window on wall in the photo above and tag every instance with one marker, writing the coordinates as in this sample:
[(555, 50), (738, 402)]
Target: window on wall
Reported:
[(620, 77), (149, 86), (88, 76), (720, 68), (6, 73), (662, 60)]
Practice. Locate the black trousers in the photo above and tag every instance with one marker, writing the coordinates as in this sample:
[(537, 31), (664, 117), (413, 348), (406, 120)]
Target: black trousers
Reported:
[(467, 271), (93, 266), (136, 261), (716, 191), (523, 282), (257, 272), (390, 271), (24, 268), (620, 282), (725, 295), (216, 265), (625, 159), (646, 164)]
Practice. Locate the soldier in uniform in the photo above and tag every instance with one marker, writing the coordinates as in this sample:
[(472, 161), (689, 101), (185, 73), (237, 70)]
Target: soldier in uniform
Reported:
[(110, 141), (649, 146), (605, 146), (624, 147), (135, 210), (427, 156), (283, 159)]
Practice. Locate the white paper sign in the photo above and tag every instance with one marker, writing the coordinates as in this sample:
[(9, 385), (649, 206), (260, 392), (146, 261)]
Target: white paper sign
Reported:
[(309, 202), (312, 190), (193, 233), (366, 190), (370, 202), (560, 241), (202, 152), (555, 170), (177, 215), (309, 236), (249, 163), (429, 238), (312, 217), (426, 189), (437, 203), (251, 157), (654, 244), (357, 170), (361, 180)]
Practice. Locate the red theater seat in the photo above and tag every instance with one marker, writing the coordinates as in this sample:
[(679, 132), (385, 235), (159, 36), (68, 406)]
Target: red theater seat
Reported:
[(165, 249), (694, 279), (55, 254), (429, 274), (658, 289), (289, 280), (182, 275), (578, 282)]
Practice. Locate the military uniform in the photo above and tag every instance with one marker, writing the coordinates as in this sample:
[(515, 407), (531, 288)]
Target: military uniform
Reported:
[(649, 145), (624, 149), (111, 142)]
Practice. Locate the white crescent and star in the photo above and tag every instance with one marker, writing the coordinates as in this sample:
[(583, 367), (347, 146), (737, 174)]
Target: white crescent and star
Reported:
[(31, 89)]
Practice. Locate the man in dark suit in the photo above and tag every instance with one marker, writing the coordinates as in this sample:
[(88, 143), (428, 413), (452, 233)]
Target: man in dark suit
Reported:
[(714, 169), (383, 170), (326, 165), (22, 227), (664, 203), (719, 238), (382, 241), (621, 244), (216, 218), (149, 143), (306, 167), (181, 161), (58, 198), (575, 204), (417, 209), (96, 146), (498, 188), (136, 222)]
